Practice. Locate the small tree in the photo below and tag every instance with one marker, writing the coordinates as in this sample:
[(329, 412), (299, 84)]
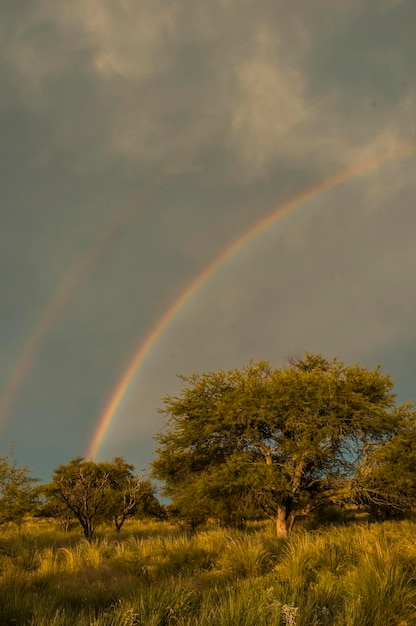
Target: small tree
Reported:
[(18, 496), (82, 487), (97, 492), (127, 493), (290, 439)]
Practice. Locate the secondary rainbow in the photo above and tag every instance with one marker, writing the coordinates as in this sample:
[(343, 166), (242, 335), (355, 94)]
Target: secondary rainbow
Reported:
[(360, 169), (170, 165), (66, 288)]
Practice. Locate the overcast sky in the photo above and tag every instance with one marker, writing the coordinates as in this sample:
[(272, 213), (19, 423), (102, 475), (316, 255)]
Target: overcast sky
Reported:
[(139, 139)]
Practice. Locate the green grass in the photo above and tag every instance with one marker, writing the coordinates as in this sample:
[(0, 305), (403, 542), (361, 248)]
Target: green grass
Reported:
[(156, 574)]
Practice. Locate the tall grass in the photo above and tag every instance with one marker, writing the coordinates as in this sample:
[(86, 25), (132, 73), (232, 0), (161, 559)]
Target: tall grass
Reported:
[(155, 574), (351, 576)]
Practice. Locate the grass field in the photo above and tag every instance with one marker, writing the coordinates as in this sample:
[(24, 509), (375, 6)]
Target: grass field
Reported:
[(153, 574)]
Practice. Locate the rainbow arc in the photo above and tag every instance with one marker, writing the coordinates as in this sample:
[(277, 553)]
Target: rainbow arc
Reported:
[(155, 333)]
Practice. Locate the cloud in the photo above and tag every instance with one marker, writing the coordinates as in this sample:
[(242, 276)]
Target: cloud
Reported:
[(137, 83), (249, 86), (284, 114), (126, 39), (387, 5), (36, 52), (270, 104)]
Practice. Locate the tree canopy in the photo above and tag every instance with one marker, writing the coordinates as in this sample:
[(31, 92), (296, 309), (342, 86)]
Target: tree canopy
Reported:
[(95, 492), (17, 493), (289, 439), (386, 481)]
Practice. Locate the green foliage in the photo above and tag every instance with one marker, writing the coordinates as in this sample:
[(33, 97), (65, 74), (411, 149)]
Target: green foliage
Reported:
[(51, 506), (97, 492), (386, 480), (128, 494), (287, 440), (395, 461), (81, 487), (18, 496)]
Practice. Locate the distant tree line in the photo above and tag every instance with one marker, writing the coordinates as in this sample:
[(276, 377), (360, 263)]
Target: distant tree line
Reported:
[(81, 492), (312, 436)]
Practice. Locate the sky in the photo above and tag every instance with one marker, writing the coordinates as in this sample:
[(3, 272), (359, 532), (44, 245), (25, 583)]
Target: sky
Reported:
[(165, 204)]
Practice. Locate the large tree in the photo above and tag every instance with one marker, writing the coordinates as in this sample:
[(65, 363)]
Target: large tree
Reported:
[(290, 439)]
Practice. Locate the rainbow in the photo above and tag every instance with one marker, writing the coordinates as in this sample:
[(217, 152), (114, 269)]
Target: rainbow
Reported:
[(360, 169), (169, 167), (68, 286)]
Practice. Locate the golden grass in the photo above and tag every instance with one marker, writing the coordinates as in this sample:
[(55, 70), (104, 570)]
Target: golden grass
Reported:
[(155, 573)]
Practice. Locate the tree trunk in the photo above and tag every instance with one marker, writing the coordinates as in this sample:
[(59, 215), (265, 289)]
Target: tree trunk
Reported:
[(118, 522), (281, 522), (291, 521), (88, 530)]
